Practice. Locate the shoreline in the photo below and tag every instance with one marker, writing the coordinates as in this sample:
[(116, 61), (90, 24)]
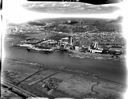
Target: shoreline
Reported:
[(94, 56), (80, 55)]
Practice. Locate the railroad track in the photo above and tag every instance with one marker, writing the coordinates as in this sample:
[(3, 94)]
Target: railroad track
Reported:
[(17, 90), (21, 92), (41, 80)]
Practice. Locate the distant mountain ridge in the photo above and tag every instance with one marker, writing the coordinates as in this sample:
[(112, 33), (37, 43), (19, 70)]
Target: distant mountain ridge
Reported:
[(80, 24)]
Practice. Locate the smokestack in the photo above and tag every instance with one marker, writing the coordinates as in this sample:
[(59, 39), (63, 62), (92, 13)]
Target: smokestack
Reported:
[(70, 40)]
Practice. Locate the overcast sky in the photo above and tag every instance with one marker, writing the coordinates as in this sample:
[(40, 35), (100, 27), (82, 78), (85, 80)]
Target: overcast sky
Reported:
[(17, 13)]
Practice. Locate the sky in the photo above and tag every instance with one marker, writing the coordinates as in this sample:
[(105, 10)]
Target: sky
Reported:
[(71, 8), (15, 12), (87, 1)]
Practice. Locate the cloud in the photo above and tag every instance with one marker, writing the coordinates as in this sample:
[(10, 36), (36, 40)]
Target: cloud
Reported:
[(15, 12)]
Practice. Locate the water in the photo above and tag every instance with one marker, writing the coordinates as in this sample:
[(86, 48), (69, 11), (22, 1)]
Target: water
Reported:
[(109, 69)]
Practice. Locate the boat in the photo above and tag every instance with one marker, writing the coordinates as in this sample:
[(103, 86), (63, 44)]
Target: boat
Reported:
[(31, 47)]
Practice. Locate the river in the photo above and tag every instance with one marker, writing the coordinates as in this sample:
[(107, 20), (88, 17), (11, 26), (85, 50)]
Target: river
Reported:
[(109, 69)]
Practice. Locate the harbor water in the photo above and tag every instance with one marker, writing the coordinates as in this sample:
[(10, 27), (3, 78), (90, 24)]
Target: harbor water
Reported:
[(109, 69)]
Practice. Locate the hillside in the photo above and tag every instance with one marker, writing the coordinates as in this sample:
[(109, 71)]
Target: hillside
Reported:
[(84, 30)]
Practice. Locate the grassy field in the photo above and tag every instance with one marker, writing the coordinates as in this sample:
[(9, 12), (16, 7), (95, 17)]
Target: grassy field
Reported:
[(69, 84)]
